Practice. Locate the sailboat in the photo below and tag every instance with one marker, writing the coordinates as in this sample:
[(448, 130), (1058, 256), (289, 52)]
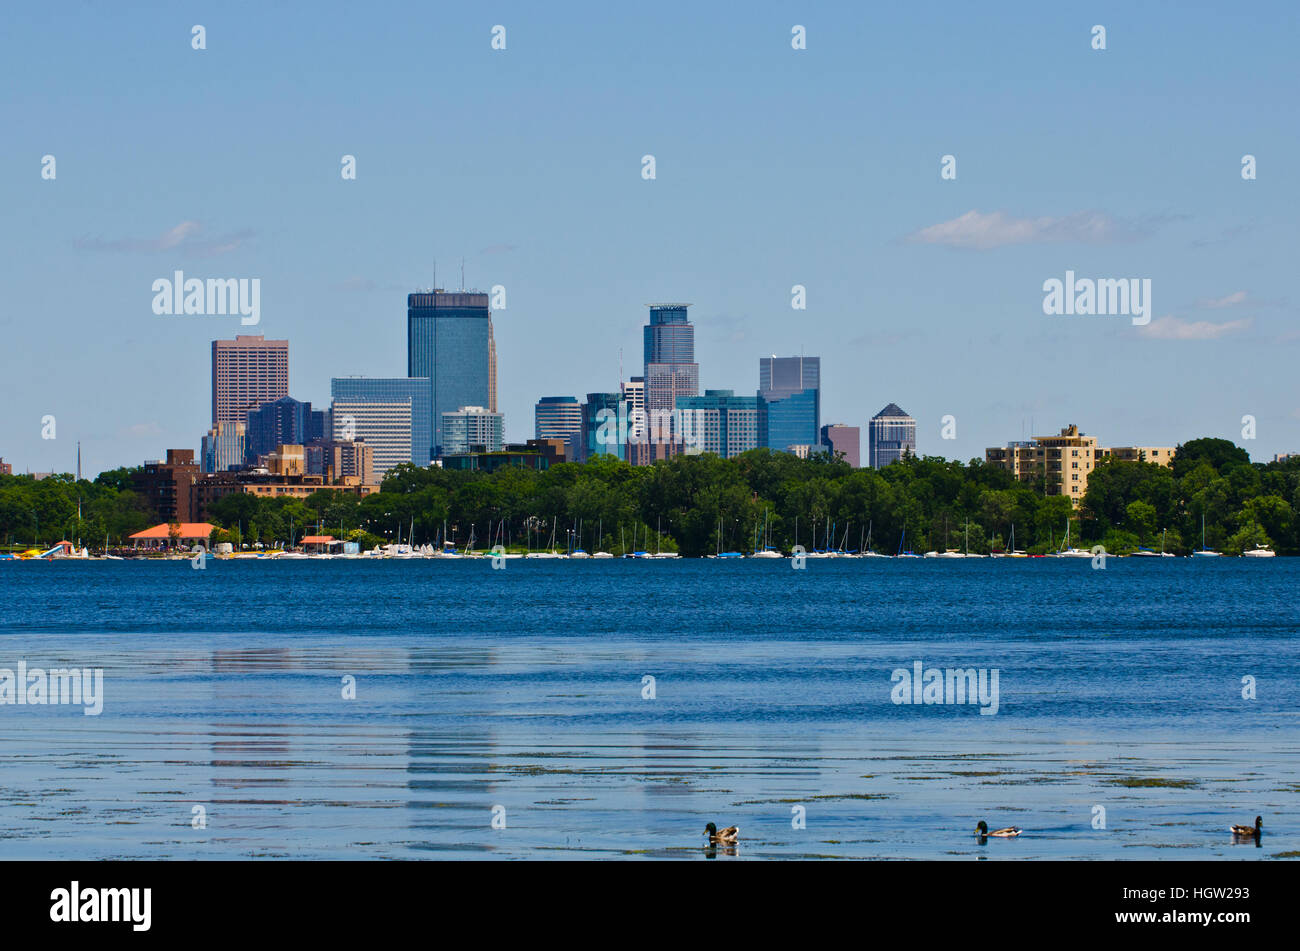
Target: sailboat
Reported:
[(1068, 551), (867, 551), (1204, 552), (1011, 550), (600, 536), (1148, 553), (551, 545), (766, 551)]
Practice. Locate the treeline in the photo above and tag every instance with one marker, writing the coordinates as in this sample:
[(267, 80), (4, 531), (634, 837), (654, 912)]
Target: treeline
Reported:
[(697, 505)]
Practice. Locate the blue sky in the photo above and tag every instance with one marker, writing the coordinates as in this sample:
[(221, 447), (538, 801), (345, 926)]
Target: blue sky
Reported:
[(775, 167)]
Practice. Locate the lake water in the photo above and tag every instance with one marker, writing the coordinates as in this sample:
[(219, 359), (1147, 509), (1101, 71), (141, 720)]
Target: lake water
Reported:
[(773, 696)]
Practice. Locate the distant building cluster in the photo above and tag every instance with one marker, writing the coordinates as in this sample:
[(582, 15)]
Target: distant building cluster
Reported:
[(262, 441)]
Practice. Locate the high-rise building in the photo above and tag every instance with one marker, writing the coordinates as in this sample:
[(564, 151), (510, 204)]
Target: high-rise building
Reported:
[(559, 417), (6, 468), (448, 342), (470, 427), (838, 438), (600, 426), (247, 372), (789, 401), (1064, 462), (385, 428), (282, 422), (414, 390), (224, 447), (890, 434), (721, 422), (670, 367), (492, 367)]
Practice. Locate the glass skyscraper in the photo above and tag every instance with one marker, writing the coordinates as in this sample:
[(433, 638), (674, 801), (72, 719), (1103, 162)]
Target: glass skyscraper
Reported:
[(413, 390), (723, 423), (890, 434), (670, 367), (789, 401), (448, 343), (283, 422)]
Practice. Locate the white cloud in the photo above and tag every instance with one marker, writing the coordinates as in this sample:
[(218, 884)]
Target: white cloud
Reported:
[(980, 231), (1174, 328), (1214, 303), (183, 236)]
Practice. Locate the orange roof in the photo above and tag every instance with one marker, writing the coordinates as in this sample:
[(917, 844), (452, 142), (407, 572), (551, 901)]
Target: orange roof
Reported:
[(187, 530), (317, 539)]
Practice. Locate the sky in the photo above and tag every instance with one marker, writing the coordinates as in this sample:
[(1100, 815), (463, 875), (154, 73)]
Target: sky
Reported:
[(774, 167)]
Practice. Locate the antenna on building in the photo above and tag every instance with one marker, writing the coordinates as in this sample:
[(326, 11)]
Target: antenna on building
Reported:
[(620, 369), (435, 273), (462, 275), (78, 460)]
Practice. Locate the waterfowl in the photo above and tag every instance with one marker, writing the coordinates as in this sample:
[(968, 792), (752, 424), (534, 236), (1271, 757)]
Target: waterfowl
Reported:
[(1249, 832), (729, 834), (1009, 832)]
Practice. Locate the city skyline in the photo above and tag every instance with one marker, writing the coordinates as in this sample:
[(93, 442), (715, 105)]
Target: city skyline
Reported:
[(933, 284)]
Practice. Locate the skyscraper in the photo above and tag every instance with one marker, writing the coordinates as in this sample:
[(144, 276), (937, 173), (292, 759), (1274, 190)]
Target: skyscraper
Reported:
[(384, 427), (670, 367), (413, 390), (723, 423), (247, 372), (224, 447), (492, 367), (559, 417), (890, 433), (282, 422), (600, 426), (838, 438), (789, 401), (448, 343)]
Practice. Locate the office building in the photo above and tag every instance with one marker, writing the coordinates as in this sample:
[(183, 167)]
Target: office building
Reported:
[(285, 421), (1065, 461), (448, 343), (891, 434), (247, 373), (789, 402), (559, 417), (721, 422), (846, 440), (600, 426), (669, 356), (224, 447), (415, 390), (472, 429), (385, 428), (492, 367)]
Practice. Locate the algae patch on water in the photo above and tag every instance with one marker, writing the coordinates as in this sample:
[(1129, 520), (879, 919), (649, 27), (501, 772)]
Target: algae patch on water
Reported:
[(1153, 782)]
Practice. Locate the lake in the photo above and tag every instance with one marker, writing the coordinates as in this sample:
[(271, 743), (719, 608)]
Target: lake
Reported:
[(443, 709)]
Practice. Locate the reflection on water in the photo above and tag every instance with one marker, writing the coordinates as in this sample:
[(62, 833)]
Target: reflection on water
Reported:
[(1132, 741)]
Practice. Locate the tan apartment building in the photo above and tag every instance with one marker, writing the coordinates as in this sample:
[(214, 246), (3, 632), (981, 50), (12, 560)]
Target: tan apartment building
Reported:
[(1066, 460)]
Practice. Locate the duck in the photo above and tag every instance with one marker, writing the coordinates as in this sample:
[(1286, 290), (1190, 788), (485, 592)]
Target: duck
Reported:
[(1249, 832), (1008, 833), (729, 834)]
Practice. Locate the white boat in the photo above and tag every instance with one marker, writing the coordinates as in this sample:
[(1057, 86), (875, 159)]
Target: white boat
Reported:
[(1204, 552), (602, 554), (767, 553), (1259, 551), (579, 553)]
